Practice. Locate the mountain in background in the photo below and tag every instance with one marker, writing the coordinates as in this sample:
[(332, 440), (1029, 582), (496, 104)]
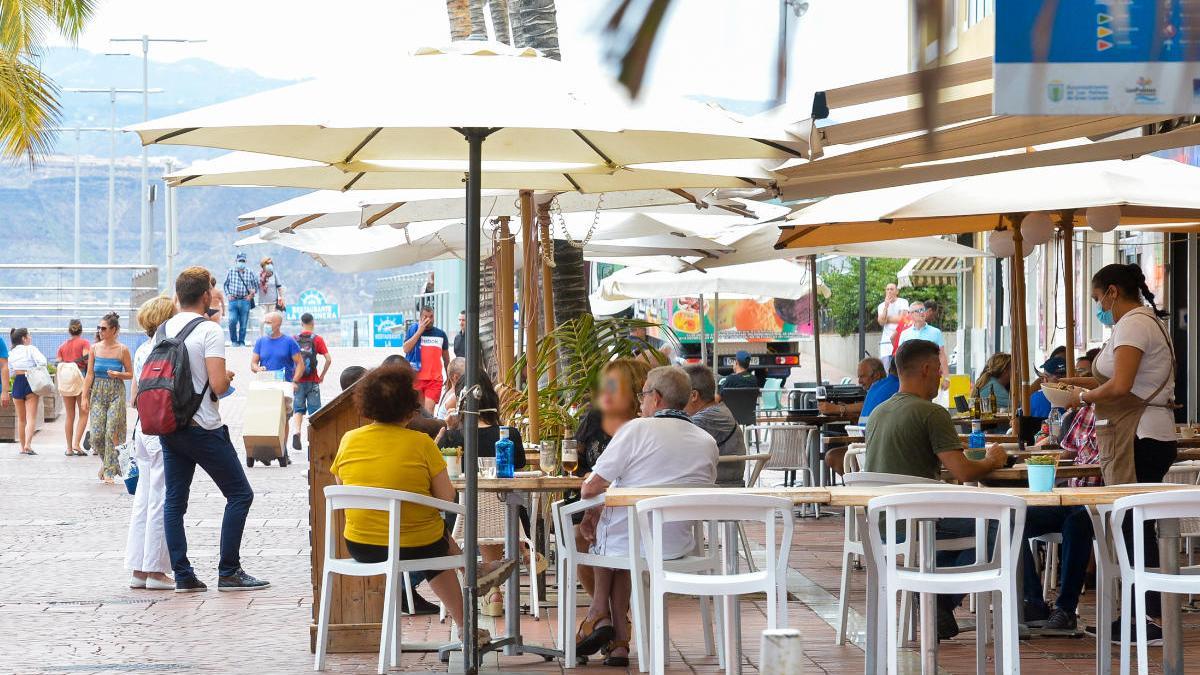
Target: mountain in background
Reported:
[(37, 214)]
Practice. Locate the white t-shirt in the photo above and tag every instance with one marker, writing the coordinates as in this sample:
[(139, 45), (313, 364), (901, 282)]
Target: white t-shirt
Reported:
[(893, 314), (653, 451), (1137, 329), (206, 341)]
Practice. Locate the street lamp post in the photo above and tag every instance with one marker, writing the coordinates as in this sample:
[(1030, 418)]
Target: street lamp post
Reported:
[(78, 226), (112, 164), (147, 230)]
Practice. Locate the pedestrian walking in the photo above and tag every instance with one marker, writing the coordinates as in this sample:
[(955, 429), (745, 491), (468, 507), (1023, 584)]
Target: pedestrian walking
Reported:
[(104, 394), (270, 288), (204, 442), (308, 386), (240, 288), (72, 359), (427, 350), (23, 358), (146, 555)]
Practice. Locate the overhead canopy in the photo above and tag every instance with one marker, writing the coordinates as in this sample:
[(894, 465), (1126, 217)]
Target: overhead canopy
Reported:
[(1149, 191), (770, 279), (851, 152), (929, 272)]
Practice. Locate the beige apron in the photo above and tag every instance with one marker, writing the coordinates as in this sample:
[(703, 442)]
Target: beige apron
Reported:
[(1117, 422)]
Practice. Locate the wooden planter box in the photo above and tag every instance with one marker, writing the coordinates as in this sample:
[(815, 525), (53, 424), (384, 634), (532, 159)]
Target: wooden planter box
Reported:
[(52, 407)]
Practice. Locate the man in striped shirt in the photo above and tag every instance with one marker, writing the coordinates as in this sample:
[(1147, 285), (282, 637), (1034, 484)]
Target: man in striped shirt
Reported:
[(240, 286)]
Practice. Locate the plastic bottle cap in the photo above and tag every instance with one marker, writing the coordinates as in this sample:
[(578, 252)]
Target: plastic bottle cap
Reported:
[(503, 432)]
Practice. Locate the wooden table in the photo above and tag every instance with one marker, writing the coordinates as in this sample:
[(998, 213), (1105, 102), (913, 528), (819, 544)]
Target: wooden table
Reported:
[(984, 423), (1021, 472), (514, 492), (876, 655)]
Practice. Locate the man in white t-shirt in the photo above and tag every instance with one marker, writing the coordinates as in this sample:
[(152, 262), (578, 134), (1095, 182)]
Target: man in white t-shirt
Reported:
[(888, 314), (205, 442), (662, 447)]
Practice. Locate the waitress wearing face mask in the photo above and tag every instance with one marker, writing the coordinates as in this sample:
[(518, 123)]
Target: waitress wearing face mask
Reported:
[(1132, 381)]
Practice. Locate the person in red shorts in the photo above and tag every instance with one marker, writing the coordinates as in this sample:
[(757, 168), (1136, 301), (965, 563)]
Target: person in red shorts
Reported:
[(428, 351)]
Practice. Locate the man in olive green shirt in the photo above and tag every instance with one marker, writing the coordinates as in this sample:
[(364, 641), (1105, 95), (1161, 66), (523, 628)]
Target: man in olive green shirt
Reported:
[(911, 435)]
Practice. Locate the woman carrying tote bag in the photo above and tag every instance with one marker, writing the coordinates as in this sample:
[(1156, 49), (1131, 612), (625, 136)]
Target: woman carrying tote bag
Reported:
[(31, 381)]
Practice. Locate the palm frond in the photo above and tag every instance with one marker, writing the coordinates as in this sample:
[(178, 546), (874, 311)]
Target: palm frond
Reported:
[(29, 109), (23, 25), (70, 16)]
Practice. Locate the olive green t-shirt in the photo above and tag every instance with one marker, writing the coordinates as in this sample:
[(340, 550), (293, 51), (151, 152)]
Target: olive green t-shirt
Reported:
[(905, 435)]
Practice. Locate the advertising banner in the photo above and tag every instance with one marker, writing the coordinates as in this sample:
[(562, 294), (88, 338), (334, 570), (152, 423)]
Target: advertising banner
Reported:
[(382, 334), (1081, 57), (750, 319)]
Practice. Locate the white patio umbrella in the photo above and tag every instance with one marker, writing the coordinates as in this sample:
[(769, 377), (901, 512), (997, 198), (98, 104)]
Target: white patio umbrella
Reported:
[(444, 105), (766, 279)]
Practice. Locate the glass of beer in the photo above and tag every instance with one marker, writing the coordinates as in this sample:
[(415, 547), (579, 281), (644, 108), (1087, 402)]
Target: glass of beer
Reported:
[(548, 457), (570, 456)]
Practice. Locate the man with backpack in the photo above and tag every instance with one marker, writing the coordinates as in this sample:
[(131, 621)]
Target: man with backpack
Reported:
[(186, 418), (308, 385)]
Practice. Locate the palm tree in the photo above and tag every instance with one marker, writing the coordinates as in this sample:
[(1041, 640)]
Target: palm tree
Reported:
[(466, 19), (500, 24), (29, 108)]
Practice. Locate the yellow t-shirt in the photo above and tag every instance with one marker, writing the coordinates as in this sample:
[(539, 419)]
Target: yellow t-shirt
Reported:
[(392, 457)]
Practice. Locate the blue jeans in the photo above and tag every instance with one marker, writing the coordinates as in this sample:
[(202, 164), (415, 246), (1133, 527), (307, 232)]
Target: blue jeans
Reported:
[(239, 321), (214, 452), (307, 399), (1076, 528)]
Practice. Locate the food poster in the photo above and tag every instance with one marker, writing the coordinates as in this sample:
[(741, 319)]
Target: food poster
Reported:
[(749, 320)]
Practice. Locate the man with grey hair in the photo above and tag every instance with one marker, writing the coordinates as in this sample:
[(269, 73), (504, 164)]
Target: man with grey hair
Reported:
[(662, 447), (715, 418)]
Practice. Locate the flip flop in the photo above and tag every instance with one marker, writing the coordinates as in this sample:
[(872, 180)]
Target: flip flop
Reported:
[(28, 451)]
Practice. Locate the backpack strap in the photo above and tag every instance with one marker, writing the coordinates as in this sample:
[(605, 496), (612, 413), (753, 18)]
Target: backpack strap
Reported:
[(183, 335)]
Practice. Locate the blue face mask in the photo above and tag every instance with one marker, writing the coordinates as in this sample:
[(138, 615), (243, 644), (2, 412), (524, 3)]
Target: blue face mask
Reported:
[(270, 267), (241, 265), (1104, 316)]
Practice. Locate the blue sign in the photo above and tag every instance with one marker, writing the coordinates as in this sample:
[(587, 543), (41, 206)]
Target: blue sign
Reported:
[(312, 302), (382, 333), (1082, 57)]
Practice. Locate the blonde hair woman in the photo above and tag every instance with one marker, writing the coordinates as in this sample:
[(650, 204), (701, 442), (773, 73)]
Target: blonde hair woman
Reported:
[(146, 554), (997, 373)]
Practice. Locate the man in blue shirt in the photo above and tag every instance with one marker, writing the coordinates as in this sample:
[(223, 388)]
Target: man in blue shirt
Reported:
[(920, 330), (879, 392), (1054, 368), (276, 351)]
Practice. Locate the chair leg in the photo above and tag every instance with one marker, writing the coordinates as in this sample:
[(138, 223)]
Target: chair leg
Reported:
[(1012, 645), (1142, 649), (732, 642), (566, 616), (640, 592), (745, 543), (408, 593), (706, 625), (843, 600), (323, 621), (658, 650), (893, 633), (982, 619), (1126, 624), (1053, 551), (387, 633)]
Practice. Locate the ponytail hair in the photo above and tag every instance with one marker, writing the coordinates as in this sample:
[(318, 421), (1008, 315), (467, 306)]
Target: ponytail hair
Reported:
[(1131, 282)]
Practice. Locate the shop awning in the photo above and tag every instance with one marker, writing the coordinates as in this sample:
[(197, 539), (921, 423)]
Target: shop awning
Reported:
[(929, 272)]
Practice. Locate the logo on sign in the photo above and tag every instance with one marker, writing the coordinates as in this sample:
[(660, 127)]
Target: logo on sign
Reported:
[(1143, 91), (1056, 91), (384, 331), (312, 302)]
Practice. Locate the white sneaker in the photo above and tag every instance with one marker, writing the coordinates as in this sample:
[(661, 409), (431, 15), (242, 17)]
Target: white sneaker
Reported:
[(153, 584), (135, 582)]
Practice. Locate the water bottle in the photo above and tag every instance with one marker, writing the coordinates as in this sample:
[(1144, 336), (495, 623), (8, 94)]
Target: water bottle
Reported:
[(977, 440), (504, 455)]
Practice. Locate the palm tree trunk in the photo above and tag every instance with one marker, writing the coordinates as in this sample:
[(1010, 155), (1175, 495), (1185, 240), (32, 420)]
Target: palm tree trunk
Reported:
[(499, 12), (538, 26), (466, 19)]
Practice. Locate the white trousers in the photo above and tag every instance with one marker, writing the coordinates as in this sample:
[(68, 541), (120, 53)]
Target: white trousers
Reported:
[(146, 549)]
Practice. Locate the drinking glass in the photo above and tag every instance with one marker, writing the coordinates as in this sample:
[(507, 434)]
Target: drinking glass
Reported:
[(487, 467), (570, 456), (548, 458)]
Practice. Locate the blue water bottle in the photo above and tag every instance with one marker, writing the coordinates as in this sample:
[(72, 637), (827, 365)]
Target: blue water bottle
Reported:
[(977, 440), (504, 455)]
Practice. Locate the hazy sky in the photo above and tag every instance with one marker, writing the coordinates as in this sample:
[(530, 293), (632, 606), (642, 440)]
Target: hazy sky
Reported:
[(720, 48)]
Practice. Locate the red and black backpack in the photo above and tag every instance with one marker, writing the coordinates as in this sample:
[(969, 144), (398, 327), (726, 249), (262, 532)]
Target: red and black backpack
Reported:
[(166, 399)]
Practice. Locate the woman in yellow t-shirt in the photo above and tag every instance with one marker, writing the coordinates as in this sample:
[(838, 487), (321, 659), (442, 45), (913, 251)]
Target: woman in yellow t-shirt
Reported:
[(386, 454)]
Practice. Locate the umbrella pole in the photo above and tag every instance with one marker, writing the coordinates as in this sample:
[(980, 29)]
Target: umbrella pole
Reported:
[(1017, 380), (1068, 244), (812, 290), (703, 333), (528, 300), (471, 660), (862, 308), (716, 333), (543, 216), (504, 307)]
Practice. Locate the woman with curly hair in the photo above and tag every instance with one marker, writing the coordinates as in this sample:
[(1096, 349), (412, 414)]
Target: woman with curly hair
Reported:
[(104, 394), (386, 454)]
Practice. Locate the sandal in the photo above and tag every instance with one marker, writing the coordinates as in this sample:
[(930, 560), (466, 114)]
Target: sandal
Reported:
[(493, 605), (590, 637), (618, 661), (28, 451)]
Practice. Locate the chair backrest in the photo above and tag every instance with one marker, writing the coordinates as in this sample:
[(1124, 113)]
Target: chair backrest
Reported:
[(742, 402), (856, 430), (1145, 507), (856, 456), (342, 497), (787, 444), (936, 501), (771, 391)]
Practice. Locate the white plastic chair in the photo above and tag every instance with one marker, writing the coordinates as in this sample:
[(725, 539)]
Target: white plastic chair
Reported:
[(789, 446), (342, 497), (569, 560), (652, 514), (997, 576), (1147, 507)]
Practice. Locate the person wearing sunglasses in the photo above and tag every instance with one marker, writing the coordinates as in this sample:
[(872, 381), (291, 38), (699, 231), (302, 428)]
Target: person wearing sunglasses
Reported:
[(104, 394), (921, 330)]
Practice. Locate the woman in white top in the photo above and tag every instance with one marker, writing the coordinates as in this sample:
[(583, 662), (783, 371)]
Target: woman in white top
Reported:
[(146, 554), (23, 358), (1132, 382), (447, 405)]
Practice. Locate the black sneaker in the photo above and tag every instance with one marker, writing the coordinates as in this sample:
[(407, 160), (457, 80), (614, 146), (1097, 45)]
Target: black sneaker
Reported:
[(947, 625), (1061, 619), (295, 441), (421, 605), (240, 581), (192, 585), (1154, 635), (1036, 612)]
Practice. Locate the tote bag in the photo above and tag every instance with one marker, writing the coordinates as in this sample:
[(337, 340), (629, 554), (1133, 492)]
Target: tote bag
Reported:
[(39, 381)]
